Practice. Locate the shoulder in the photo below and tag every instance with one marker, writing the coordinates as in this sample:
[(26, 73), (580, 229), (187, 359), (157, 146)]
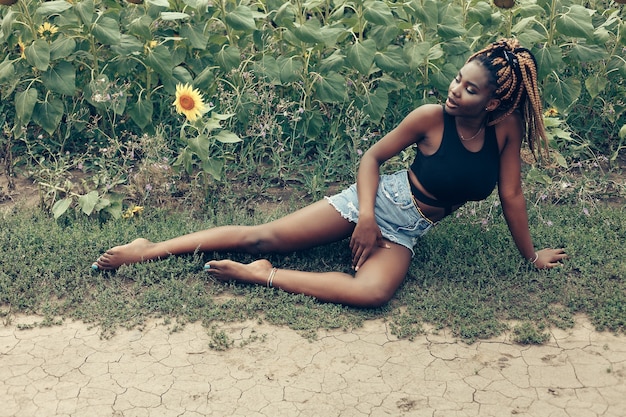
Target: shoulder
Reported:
[(426, 115), (510, 131)]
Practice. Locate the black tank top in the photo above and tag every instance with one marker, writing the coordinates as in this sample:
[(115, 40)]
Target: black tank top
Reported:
[(454, 175)]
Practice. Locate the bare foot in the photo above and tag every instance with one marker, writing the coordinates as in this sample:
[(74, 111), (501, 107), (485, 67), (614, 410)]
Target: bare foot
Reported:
[(133, 252), (256, 272)]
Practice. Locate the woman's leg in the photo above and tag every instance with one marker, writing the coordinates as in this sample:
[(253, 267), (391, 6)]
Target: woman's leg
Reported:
[(373, 285), (313, 225)]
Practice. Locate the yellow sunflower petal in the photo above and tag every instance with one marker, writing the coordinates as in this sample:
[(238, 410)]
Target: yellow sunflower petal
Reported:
[(189, 102)]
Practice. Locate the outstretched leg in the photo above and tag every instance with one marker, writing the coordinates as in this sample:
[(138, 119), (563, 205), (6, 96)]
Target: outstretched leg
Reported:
[(373, 285), (313, 225)]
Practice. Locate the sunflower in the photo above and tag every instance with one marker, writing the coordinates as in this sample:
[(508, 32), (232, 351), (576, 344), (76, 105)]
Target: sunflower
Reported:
[(189, 102), (132, 211), (552, 112), (46, 30), (22, 47)]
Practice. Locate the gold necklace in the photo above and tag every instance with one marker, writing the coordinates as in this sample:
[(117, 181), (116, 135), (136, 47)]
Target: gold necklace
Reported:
[(473, 137)]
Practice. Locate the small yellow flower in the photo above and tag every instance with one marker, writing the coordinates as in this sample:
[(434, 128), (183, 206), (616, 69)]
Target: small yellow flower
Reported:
[(22, 47), (552, 112), (189, 102), (131, 211), (47, 30)]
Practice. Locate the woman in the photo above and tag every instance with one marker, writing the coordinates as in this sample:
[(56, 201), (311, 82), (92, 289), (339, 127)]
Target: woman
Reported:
[(464, 149)]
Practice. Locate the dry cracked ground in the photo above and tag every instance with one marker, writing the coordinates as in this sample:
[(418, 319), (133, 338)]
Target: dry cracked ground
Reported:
[(69, 370)]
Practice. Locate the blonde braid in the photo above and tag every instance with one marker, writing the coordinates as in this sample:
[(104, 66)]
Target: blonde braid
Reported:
[(513, 70)]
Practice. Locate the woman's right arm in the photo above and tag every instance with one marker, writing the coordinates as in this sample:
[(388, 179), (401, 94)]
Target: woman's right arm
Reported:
[(412, 129)]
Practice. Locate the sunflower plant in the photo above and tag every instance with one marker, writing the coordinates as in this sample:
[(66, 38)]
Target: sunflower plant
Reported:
[(200, 133)]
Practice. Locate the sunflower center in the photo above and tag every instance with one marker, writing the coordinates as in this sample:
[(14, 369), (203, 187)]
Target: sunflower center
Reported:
[(187, 102)]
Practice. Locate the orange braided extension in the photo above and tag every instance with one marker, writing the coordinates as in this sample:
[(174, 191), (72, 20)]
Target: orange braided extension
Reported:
[(514, 73)]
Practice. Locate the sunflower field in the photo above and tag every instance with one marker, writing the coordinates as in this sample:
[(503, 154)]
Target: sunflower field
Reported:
[(280, 91)]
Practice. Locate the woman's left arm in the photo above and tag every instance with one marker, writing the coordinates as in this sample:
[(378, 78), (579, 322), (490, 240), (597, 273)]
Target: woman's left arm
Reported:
[(513, 201)]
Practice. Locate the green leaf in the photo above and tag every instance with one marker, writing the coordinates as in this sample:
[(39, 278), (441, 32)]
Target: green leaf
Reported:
[(268, 68), (61, 78), (214, 167), (426, 11), (204, 79), (85, 11), (313, 124), (62, 47), (531, 37), (361, 55), (53, 7), (174, 16), (377, 105), (416, 53), (285, 15), (331, 88), (101, 204), (159, 3), (88, 201), (228, 58), (159, 59), (384, 35), (226, 136), (309, 32), (141, 112), (61, 207), (389, 84), (587, 53), (392, 60), (576, 22), (129, 45), (241, 19), (185, 159), (290, 69), (106, 31), (333, 62), (38, 54), (561, 93), (481, 12), (182, 75), (7, 71), (48, 114), (536, 176), (622, 132), (195, 35), (25, 104), (199, 145), (548, 58), (140, 27), (595, 85), (7, 22), (378, 13), (330, 35)]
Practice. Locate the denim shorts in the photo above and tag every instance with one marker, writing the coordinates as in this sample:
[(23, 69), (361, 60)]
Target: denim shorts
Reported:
[(398, 217)]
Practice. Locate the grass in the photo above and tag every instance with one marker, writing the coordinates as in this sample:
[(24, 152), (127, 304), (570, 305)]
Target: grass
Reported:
[(467, 276)]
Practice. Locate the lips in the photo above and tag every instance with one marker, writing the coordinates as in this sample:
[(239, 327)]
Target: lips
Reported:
[(451, 103)]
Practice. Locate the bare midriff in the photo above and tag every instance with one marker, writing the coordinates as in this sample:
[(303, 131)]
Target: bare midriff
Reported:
[(433, 213)]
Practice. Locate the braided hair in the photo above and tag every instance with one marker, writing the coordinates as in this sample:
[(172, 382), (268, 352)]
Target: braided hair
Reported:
[(513, 71)]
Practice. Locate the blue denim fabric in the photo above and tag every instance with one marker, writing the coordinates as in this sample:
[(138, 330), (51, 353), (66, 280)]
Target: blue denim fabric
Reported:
[(397, 216)]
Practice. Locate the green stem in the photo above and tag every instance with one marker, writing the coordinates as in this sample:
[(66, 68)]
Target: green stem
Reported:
[(551, 22)]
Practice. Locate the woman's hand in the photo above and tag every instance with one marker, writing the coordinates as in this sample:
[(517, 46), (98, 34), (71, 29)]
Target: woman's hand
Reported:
[(549, 258), (365, 238)]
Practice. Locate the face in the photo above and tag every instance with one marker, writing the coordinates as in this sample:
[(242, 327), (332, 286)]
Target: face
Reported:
[(470, 92)]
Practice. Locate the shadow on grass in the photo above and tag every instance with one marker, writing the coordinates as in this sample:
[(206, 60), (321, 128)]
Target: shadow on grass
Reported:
[(467, 276)]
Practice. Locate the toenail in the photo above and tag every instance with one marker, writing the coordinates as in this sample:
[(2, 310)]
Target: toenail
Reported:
[(207, 267), (94, 267)]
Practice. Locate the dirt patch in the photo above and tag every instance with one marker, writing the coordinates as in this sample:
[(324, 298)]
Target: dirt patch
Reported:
[(18, 192)]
